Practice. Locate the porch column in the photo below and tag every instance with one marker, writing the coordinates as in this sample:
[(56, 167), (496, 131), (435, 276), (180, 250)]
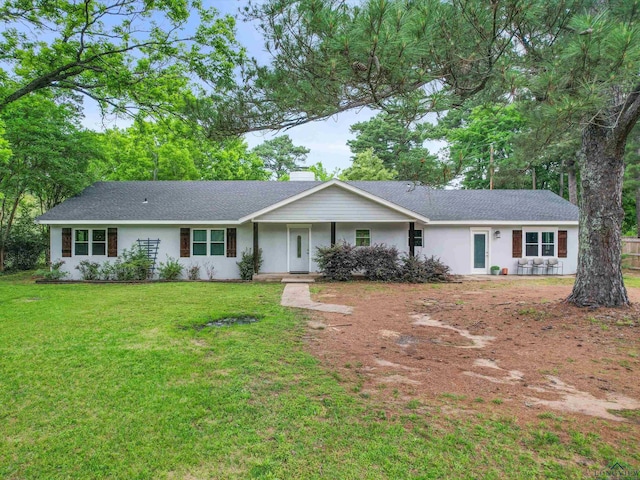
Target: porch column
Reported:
[(255, 247), (333, 233), (412, 239)]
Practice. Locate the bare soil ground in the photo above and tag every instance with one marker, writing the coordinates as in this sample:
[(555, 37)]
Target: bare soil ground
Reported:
[(509, 347)]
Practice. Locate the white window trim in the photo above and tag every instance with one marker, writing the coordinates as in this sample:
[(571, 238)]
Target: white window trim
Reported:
[(89, 242), (224, 242), (355, 236), (208, 242), (105, 242), (539, 231)]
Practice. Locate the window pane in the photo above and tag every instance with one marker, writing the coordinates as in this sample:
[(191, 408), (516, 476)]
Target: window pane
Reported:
[(199, 248), (217, 249), (82, 249), (217, 235), (98, 249), (363, 238), (547, 250), (531, 237), (299, 240), (547, 237), (99, 235), (200, 236), (82, 236), (532, 250), (417, 238)]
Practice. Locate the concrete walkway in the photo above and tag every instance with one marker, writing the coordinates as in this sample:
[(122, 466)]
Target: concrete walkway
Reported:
[(297, 295)]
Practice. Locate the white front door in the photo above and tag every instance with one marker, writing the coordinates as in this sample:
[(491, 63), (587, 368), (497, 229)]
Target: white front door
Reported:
[(480, 252), (299, 250)]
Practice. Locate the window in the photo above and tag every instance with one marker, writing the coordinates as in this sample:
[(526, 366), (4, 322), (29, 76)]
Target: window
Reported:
[(548, 249), (82, 242), (531, 244), (363, 238), (217, 242), (199, 242), (98, 242), (417, 238), (540, 244)]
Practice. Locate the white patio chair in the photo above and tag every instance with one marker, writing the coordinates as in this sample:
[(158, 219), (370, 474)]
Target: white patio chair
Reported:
[(538, 265), (554, 265), (523, 266)]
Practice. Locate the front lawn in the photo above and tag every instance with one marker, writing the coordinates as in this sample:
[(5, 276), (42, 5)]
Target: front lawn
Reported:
[(114, 381)]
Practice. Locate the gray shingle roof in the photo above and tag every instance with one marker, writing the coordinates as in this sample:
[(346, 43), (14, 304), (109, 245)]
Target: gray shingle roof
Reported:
[(231, 200)]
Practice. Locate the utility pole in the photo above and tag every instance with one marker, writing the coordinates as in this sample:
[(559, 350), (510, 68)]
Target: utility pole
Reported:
[(491, 167)]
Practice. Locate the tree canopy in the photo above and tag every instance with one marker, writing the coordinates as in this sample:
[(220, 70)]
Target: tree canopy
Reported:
[(280, 156), (126, 55)]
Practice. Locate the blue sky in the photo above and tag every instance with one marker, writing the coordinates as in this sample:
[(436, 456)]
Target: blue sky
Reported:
[(327, 139)]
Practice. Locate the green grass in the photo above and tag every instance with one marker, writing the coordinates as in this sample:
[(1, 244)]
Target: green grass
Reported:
[(114, 381)]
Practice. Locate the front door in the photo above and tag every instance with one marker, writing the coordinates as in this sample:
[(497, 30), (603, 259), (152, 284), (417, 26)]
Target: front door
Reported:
[(299, 250), (480, 252)]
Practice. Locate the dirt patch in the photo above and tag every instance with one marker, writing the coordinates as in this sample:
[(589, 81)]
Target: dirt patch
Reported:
[(512, 347)]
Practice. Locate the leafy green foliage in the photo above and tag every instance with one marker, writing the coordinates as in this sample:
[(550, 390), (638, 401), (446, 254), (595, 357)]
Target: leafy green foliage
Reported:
[(387, 136), (170, 270), (367, 166), (128, 55), (25, 245), (89, 270), (247, 264), (54, 273), (50, 159), (173, 150), (488, 130), (132, 264), (280, 156), (321, 173)]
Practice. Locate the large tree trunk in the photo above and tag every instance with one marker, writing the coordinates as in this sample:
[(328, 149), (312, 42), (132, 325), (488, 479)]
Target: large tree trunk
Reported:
[(638, 212), (599, 276)]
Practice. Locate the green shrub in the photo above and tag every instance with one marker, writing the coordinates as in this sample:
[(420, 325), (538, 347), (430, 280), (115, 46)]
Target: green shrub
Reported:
[(378, 262), (24, 247), (107, 271), (193, 272), (246, 264), (422, 270), (132, 265), (336, 262), (170, 270), (89, 270), (54, 272)]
